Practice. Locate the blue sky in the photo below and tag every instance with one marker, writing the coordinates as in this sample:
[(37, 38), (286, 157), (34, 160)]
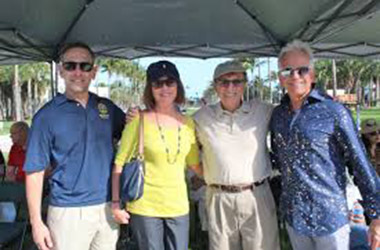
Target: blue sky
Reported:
[(196, 74)]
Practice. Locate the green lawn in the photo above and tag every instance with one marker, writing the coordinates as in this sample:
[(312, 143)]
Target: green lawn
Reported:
[(364, 113), (5, 126), (368, 113)]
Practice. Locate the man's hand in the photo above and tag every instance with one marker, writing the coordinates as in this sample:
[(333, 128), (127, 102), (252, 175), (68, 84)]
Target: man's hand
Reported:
[(374, 234), (196, 182), (41, 236), (131, 114), (120, 215)]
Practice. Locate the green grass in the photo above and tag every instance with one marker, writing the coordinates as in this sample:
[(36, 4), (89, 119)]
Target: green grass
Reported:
[(191, 110), (368, 113), (364, 113), (5, 126)]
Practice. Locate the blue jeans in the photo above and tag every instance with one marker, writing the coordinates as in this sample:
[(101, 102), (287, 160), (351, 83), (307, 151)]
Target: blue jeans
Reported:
[(338, 240), (358, 237), (155, 233)]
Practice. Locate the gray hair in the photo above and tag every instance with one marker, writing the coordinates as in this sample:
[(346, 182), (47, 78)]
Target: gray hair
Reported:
[(296, 45)]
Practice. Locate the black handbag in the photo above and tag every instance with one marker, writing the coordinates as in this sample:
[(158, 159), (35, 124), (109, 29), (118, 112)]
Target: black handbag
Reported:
[(132, 175)]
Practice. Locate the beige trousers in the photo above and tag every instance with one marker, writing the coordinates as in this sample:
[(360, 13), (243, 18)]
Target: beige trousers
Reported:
[(242, 221), (83, 228)]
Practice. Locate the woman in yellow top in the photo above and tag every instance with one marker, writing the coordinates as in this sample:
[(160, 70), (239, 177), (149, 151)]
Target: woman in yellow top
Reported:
[(159, 219)]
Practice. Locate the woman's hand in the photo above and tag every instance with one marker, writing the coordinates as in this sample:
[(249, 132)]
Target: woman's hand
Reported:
[(131, 114), (120, 215)]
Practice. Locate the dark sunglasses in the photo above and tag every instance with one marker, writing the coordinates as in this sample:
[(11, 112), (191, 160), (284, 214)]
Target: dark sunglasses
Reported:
[(373, 133), (226, 83), (301, 71), (83, 66), (168, 83)]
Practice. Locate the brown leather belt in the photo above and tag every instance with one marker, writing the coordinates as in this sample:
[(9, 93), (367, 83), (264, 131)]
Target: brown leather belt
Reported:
[(237, 188)]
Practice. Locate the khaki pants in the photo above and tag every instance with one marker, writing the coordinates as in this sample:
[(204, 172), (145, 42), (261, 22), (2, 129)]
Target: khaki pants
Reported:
[(83, 228), (242, 221)]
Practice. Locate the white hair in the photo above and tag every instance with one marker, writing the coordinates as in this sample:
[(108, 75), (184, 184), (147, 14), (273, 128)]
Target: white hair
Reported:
[(296, 45)]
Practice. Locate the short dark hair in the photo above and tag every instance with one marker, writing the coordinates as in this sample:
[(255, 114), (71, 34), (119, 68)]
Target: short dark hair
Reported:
[(69, 46), (148, 98)]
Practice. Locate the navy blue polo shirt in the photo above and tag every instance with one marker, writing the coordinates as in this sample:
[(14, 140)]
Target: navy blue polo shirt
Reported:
[(78, 143)]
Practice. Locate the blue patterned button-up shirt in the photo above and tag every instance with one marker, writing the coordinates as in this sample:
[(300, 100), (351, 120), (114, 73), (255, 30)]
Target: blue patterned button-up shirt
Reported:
[(312, 147)]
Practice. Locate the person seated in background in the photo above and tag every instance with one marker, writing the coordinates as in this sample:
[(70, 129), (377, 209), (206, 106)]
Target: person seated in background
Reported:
[(19, 135), (370, 130)]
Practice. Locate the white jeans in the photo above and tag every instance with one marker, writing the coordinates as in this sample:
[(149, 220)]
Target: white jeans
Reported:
[(339, 240), (83, 228)]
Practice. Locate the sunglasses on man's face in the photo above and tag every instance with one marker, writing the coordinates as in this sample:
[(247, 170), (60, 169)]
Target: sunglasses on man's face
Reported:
[(375, 133), (301, 71), (83, 66), (225, 83), (168, 83)]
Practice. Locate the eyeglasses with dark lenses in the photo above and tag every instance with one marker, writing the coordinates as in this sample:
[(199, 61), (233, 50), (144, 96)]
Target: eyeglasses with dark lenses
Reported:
[(301, 71), (83, 66), (226, 83), (168, 83)]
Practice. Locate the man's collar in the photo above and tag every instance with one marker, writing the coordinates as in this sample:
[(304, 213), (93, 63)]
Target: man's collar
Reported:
[(314, 95), (244, 108), (62, 98)]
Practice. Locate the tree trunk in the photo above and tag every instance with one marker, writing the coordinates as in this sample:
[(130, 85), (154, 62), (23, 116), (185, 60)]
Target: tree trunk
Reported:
[(377, 99), (36, 98), (30, 100), (260, 87), (16, 89), (2, 117), (270, 82), (334, 77), (370, 94), (9, 108)]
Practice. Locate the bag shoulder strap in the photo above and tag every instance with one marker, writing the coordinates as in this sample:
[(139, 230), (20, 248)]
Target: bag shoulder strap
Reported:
[(141, 135)]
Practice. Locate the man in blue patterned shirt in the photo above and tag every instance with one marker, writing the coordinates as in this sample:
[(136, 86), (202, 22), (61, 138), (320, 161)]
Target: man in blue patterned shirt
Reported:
[(313, 140)]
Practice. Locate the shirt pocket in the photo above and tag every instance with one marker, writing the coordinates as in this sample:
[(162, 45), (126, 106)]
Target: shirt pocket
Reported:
[(318, 129)]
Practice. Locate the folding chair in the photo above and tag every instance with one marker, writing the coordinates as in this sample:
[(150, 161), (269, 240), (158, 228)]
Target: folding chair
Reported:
[(11, 232)]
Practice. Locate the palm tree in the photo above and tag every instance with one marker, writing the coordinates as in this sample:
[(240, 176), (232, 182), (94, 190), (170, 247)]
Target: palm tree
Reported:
[(323, 73), (17, 101), (209, 94), (35, 75), (5, 91), (125, 69), (272, 77)]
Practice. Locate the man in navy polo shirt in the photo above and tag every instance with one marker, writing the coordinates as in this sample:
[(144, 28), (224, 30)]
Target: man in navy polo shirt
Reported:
[(74, 134)]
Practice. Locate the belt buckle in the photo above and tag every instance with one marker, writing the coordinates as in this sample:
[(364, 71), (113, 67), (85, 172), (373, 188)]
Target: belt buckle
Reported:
[(235, 189)]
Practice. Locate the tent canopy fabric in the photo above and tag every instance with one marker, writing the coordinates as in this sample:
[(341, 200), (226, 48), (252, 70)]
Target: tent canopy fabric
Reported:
[(35, 30)]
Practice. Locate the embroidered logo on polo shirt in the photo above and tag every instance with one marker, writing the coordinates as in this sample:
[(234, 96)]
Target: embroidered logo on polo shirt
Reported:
[(103, 111)]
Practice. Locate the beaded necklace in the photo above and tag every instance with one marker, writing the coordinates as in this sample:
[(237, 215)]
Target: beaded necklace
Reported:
[(160, 130)]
